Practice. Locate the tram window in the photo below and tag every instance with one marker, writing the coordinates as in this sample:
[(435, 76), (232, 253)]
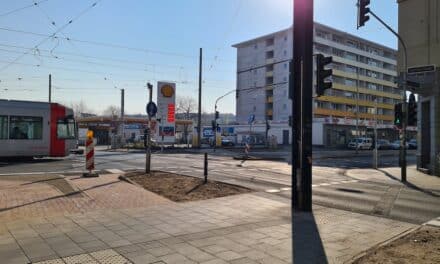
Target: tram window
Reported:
[(3, 127), (66, 129), (25, 127)]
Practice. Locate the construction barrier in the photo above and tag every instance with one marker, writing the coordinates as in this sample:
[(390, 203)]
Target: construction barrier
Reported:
[(90, 155)]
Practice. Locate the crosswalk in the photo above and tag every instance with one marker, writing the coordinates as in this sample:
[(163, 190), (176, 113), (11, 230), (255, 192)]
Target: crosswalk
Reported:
[(313, 186)]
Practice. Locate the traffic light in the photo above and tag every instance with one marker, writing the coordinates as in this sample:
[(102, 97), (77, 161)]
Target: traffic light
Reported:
[(398, 115), (217, 114), (218, 128), (267, 125), (412, 111), (363, 11), (213, 125), (322, 74)]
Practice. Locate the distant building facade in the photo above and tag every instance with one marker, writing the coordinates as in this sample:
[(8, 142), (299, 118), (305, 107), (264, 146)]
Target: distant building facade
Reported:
[(362, 70)]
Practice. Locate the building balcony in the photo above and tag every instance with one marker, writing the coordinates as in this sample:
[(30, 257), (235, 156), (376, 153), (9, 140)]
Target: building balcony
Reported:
[(269, 87), (339, 113), (269, 112), (269, 74), (269, 99), (350, 101)]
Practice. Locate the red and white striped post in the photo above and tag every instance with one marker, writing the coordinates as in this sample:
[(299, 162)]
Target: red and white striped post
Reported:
[(90, 156)]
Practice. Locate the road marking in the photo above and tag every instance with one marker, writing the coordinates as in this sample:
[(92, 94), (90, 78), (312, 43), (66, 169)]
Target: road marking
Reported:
[(434, 222), (273, 191), (114, 171), (286, 189)]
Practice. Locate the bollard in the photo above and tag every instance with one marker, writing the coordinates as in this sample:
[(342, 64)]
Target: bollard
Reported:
[(205, 168)]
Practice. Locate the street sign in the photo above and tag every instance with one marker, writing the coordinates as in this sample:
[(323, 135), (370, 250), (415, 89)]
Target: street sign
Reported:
[(251, 119), (421, 69), (151, 109)]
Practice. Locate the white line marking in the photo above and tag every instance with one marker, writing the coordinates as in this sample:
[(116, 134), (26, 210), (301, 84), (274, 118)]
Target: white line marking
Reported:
[(324, 184), (286, 189), (273, 191), (114, 171)]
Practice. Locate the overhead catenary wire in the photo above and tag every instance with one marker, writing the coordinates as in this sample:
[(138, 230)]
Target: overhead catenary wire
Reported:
[(22, 8), (110, 45), (53, 35)]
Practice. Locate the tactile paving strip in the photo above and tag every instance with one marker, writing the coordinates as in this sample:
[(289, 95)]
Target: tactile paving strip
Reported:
[(108, 256)]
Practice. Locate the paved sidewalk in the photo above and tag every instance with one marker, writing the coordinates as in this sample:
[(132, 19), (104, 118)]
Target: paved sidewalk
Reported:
[(248, 228), (26, 196)]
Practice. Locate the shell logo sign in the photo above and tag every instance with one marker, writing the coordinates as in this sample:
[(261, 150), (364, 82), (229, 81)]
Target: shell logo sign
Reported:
[(166, 105), (167, 90)]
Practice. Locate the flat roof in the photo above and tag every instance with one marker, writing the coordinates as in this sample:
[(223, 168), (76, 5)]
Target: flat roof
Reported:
[(241, 44)]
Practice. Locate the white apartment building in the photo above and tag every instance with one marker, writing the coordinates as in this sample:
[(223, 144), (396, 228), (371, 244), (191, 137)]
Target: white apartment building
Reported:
[(364, 75)]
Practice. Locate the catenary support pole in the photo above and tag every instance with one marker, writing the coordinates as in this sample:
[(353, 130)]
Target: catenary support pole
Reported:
[(199, 115), (50, 88)]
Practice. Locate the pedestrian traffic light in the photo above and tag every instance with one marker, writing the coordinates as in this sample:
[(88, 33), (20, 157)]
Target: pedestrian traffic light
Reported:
[(398, 115), (322, 74), (412, 110), (363, 11), (217, 114)]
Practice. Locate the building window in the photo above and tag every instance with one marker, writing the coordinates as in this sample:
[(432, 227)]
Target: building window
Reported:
[(3, 127), (269, 42), (284, 79), (284, 106), (285, 52), (285, 38), (23, 127), (256, 46), (269, 54), (269, 68), (285, 65)]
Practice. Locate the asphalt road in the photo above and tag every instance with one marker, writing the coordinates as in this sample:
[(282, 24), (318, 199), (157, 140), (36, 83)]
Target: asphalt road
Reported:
[(331, 187)]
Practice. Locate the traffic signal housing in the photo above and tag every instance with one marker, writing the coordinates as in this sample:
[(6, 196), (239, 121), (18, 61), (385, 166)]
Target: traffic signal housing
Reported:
[(412, 110), (363, 11), (217, 114), (322, 74), (398, 115)]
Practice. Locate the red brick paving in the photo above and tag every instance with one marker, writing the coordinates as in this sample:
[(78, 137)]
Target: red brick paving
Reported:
[(19, 199)]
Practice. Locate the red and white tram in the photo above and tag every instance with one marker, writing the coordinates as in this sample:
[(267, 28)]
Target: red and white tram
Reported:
[(36, 129)]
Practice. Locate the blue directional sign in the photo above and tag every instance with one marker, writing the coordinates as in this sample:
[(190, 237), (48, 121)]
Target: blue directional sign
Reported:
[(151, 109), (251, 119)]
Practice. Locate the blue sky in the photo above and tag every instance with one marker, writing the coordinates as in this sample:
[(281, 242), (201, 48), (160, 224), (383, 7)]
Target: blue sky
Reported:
[(160, 39)]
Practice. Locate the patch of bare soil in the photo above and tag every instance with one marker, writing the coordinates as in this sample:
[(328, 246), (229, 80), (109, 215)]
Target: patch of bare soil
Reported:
[(421, 246), (180, 188)]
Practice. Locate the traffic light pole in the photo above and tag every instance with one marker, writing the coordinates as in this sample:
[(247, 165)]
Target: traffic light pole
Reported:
[(148, 154), (302, 104), (404, 104)]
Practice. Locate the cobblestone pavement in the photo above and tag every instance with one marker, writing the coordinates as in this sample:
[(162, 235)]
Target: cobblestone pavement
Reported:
[(248, 228)]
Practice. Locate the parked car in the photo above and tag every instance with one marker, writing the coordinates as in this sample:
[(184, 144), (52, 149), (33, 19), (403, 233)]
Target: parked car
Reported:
[(383, 144), (360, 143), (226, 142), (396, 145), (412, 144)]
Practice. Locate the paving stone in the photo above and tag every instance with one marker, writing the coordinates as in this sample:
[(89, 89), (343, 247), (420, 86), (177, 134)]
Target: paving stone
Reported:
[(229, 255)]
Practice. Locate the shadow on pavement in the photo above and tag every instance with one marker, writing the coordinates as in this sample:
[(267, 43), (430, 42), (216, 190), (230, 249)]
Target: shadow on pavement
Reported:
[(307, 243), (58, 196), (4, 162), (409, 185)]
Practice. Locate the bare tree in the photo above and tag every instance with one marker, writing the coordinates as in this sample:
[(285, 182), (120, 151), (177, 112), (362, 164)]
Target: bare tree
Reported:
[(80, 108), (186, 105), (113, 111)]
